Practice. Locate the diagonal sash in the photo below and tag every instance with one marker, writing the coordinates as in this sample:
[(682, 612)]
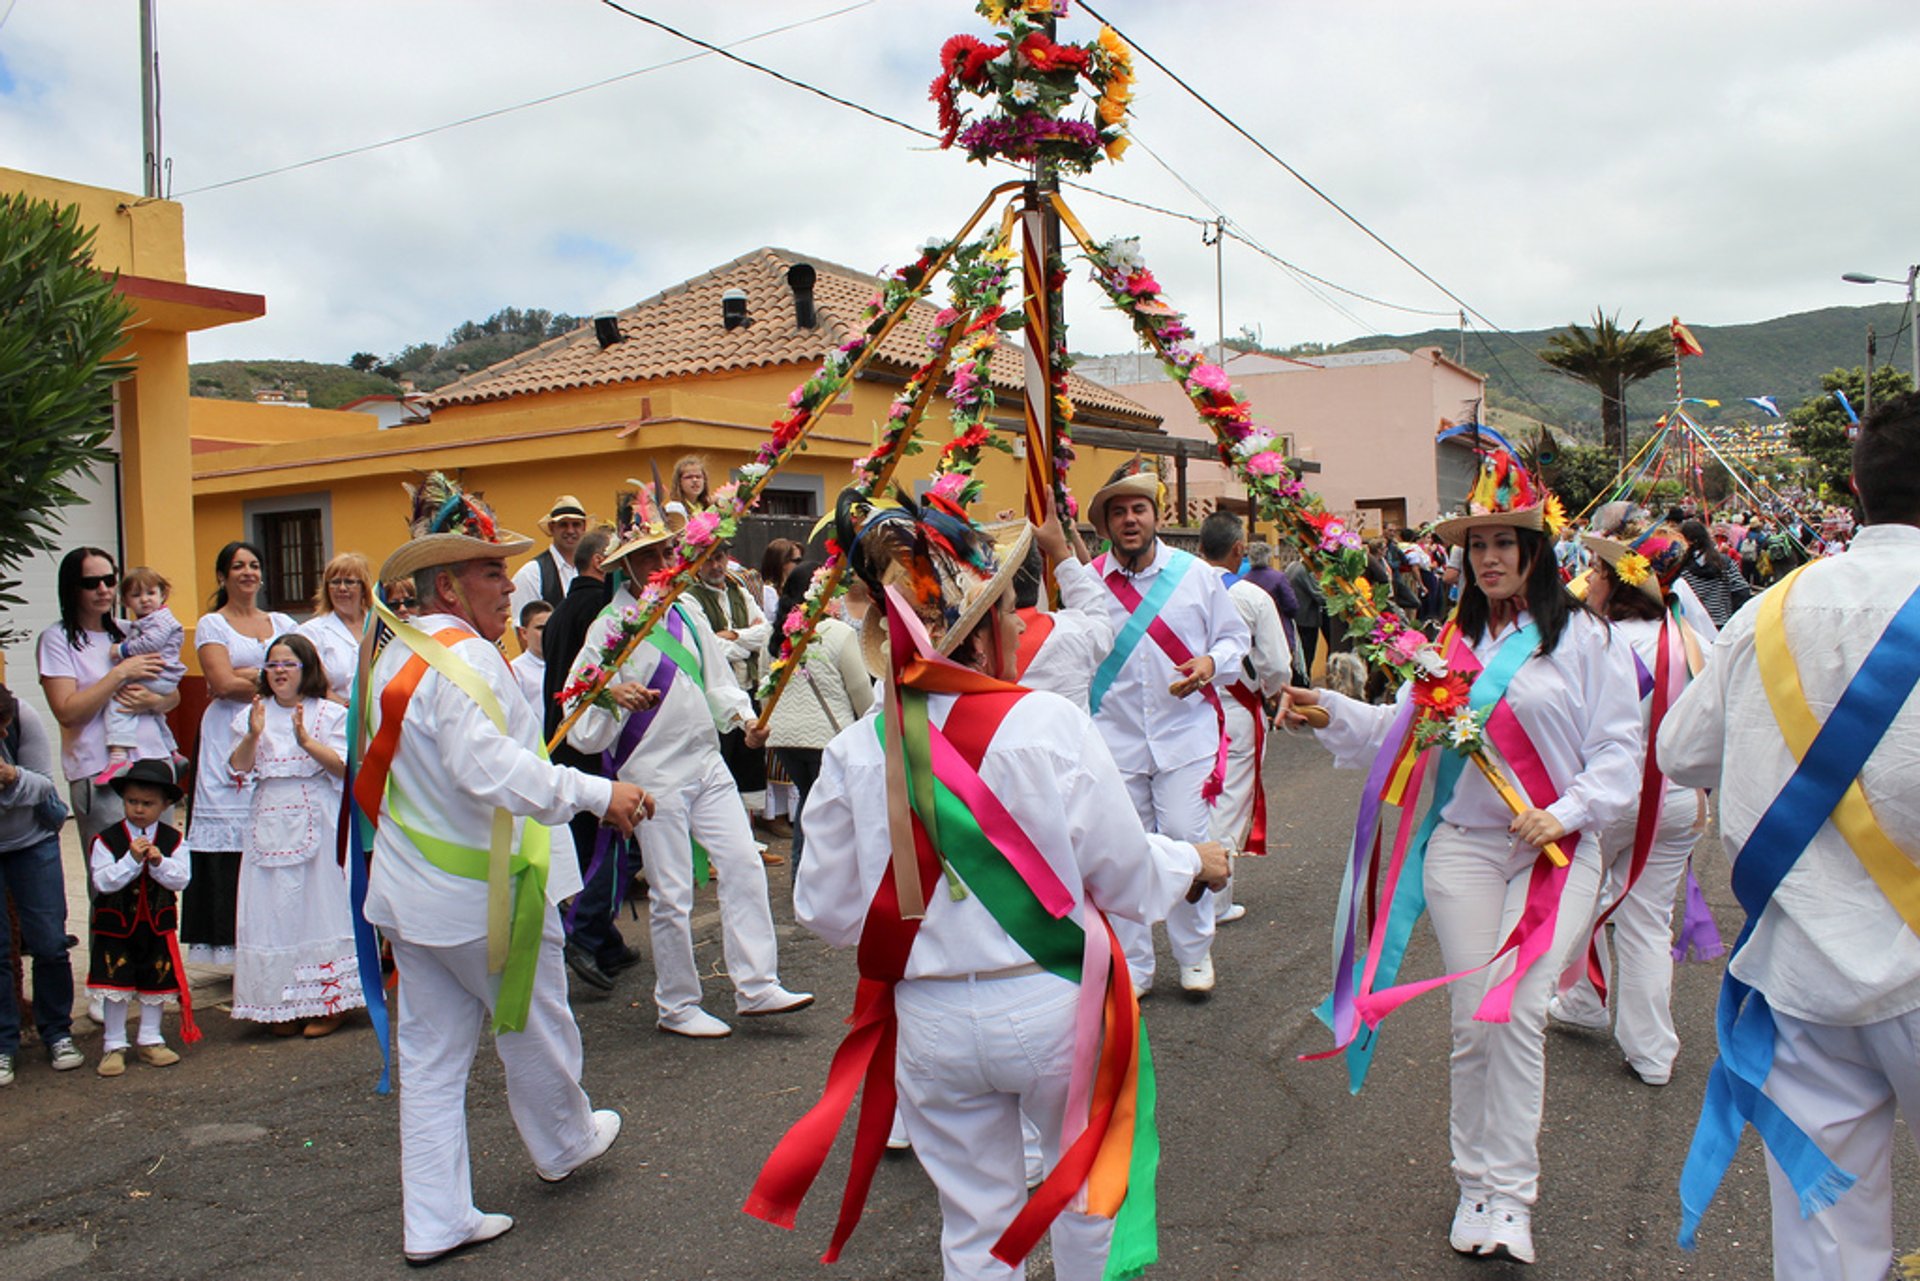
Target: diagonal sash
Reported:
[(1826, 777)]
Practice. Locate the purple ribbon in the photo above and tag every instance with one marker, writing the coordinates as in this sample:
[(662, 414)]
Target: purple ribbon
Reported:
[(1640, 670), (1698, 932), (613, 761), (1340, 1014)]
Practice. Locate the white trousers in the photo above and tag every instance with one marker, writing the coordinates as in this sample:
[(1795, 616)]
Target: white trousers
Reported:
[(1231, 821), (1639, 971), (706, 808), (974, 1056), (1476, 882), (1843, 1085), (446, 999), (1169, 803)]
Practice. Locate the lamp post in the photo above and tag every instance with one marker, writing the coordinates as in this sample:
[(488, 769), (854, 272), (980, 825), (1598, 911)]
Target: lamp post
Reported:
[(1913, 274)]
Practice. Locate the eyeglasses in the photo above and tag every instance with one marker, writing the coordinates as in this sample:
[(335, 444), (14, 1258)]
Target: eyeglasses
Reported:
[(283, 665), (91, 581)]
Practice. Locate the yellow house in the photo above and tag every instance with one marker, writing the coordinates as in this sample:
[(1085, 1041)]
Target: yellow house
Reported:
[(616, 399)]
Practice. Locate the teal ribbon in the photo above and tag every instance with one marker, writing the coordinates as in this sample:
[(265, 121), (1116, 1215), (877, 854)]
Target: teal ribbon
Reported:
[(1178, 563)]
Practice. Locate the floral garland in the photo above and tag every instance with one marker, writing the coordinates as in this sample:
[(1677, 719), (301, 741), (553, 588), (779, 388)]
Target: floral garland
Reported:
[(623, 627), (979, 283), (1031, 79)]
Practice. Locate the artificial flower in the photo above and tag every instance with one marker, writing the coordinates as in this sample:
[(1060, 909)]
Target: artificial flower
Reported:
[(701, 527), (1463, 730), (1212, 377), (1445, 696), (1024, 92), (1632, 569), (1267, 464), (948, 485), (1554, 513)]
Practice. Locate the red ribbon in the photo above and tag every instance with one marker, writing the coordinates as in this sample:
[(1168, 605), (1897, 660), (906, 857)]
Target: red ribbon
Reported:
[(1176, 649), (1256, 842)]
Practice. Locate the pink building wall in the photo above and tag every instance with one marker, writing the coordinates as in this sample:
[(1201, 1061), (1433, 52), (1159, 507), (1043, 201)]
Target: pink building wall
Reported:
[(1368, 419)]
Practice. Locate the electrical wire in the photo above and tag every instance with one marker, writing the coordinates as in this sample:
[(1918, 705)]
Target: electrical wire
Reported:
[(531, 102)]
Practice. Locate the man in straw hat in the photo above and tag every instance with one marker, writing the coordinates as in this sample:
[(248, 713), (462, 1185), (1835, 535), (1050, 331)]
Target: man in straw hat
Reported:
[(1158, 695), (1010, 797), (458, 784), (668, 733), (1805, 719), (547, 575)]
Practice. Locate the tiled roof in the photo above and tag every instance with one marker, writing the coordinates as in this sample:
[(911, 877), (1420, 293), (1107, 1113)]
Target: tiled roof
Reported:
[(677, 334)]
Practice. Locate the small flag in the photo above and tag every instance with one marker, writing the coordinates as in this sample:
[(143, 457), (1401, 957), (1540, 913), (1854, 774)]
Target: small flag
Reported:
[(1847, 405), (1695, 400), (1684, 343), (1766, 403)]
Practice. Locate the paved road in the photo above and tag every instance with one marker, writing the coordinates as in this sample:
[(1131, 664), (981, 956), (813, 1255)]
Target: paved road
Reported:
[(261, 1157)]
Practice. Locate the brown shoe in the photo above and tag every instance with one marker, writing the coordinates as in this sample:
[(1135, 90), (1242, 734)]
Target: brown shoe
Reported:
[(771, 859), (156, 1055), (324, 1027), (112, 1063)]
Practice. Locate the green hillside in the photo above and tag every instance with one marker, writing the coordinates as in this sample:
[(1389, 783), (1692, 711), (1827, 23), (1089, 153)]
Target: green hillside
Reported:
[(1782, 358), (327, 386)]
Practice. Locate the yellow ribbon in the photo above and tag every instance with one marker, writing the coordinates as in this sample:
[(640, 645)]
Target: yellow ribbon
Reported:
[(1891, 868)]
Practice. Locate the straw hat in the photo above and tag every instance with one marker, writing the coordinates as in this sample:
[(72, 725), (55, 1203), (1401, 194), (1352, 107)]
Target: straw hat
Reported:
[(563, 506), (952, 570), (1651, 562), (449, 527), (1134, 477), (641, 524), (1506, 493)]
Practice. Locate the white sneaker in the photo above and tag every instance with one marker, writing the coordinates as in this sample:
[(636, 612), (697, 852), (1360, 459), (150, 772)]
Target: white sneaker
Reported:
[(1560, 1011), (1650, 1076), (491, 1226), (65, 1055), (776, 1000), (606, 1128), (6, 1069), (695, 1022), (897, 1140), (1198, 978), (1471, 1223), (1231, 915), (1509, 1231)]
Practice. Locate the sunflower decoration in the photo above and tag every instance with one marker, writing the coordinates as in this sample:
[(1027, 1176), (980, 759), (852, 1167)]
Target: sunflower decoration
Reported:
[(1632, 568), (1554, 513)]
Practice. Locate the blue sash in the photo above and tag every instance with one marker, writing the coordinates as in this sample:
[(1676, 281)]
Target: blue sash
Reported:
[(1178, 563), (1744, 1021), (1410, 893)]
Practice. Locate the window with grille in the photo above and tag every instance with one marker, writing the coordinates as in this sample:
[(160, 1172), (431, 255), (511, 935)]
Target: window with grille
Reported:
[(787, 502), (294, 548)]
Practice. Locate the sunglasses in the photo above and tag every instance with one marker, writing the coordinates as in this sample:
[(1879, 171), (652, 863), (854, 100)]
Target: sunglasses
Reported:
[(282, 665), (91, 581)]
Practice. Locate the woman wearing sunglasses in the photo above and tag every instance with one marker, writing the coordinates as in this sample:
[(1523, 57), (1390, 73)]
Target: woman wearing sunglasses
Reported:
[(80, 679)]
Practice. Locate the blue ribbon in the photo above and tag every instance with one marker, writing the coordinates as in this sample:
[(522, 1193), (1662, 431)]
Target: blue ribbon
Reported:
[(1744, 1020), (1178, 563), (356, 838)]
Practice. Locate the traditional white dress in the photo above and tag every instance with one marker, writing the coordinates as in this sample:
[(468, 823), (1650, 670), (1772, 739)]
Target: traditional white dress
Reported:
[(293, 953), (339, 647)]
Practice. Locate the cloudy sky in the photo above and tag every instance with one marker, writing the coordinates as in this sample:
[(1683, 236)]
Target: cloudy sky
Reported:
[(1725, 162)]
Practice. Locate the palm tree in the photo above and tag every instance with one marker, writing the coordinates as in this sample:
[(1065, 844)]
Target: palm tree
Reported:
[(1610, 359)]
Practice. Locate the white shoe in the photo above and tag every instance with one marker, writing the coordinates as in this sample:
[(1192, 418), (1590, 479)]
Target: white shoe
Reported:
[(1509, 1231), (1232, 914), (1650, 1076), (897, 1140), (695, 1022), (1560, 1012), (491, 1226), (606, 1128), (776, 1000), (1470, 1223), (1198, 978)]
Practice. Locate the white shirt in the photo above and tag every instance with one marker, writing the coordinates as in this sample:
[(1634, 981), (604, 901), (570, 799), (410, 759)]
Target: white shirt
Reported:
[(526, 581), (1049, 767), (339, 650), (531, 672), (1082, 635), (173, 871), (1269, 656), (456, 769), (1829, 948), (1147, 728), (751, 643), (684, 739), (1581, 707)]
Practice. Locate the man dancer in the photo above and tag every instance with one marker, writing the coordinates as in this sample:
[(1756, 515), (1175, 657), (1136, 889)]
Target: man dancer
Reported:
[(547, 576), (1156, 697), (1810, 691), (468, 750), (738, 623), (1060, 649), (1239, 821), (671, 738)]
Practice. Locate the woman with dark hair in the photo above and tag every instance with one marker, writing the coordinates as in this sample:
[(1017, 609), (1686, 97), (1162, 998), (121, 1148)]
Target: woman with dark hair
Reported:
[(294, 956), (828, 692), (1643, 855), (1569, 686), (1712, 575), (776, 563), (79, 678), (232, 644)]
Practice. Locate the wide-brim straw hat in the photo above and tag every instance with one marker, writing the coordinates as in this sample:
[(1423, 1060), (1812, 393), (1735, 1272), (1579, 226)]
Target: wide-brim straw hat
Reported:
[(1453, 530), (1143, 483), (563, 506), (1012, 540), (647, 528), (441, 518), (1659, 559), (430, 550)]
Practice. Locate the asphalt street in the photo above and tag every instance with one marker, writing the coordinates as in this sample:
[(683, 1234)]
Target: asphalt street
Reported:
[(260, 1157)]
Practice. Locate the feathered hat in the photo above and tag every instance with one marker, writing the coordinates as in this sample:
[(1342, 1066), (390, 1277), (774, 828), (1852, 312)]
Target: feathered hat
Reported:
[(641, 524), (1506, 492), (1134, 476), (1649, 562), (449, 526), (950, 569)]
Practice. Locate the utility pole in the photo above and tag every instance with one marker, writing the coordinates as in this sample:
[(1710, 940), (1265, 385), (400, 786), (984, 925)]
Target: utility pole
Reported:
[(1217, 238), (149, 104), (1867, 412), (1460, 349)]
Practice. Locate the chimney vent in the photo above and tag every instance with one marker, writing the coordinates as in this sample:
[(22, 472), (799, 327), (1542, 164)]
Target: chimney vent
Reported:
[(800, 279), (606, 328), (733, 308)]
